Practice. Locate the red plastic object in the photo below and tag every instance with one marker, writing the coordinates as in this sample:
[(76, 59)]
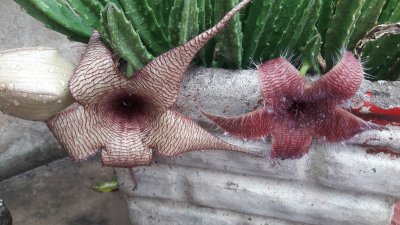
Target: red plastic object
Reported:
[(371, 112)]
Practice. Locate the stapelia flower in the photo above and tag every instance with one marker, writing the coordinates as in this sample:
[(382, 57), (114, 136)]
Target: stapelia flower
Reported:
[(130, 118), (296, 111)]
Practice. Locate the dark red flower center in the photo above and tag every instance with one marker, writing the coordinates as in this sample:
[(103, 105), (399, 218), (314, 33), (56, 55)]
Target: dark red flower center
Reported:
[(127, 106), (298, 109), (123, 107)]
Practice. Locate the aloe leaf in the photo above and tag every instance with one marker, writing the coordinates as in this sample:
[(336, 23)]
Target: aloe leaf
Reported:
[(324, 20), (389, 70), (306, 26), (266, 33), (209, 22), (393, 73), (383, 50), (49, 23), (310, 53), (254, 25), (106, 2), (162, 10), (341, 27), (286, 16), (189, 21), (183, 22), (368, 19), (292, 28), (201, 4), (105, 34), (124, 39), (174, 24), (388, 10), (228, 50), (60, 12), (89, 10), (144, 21)]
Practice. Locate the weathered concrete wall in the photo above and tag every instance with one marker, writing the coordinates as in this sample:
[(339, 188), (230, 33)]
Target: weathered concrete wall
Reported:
[(336, 183)]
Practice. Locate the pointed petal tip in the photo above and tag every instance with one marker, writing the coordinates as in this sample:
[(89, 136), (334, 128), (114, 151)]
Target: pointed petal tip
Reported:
[(253, 125)]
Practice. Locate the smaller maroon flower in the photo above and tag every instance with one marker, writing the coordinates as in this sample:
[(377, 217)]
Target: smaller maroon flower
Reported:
[(129, 119), (296, 111)]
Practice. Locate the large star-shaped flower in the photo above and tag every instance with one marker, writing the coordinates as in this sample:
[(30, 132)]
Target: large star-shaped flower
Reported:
[(296, 111), (128, 119)]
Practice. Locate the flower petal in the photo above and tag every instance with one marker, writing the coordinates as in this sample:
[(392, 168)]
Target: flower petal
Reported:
[(75, 129), (340, 83), (280, 79), (124, 147), (96, 74), (173, 134), (160, 79), (342, 125), (252, 125), (290, 143)]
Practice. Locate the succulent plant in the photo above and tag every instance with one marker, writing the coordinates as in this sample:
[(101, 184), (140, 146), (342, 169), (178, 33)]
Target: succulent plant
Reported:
[(141, 30)]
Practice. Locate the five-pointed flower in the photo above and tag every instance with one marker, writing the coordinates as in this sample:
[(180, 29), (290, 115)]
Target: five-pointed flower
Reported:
[(295, 111), (128, 119)]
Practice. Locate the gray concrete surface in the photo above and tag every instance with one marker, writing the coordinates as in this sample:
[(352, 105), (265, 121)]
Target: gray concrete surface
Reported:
[(61, 193)]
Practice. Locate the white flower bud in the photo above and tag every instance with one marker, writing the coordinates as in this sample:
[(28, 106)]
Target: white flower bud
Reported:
[(34, 82)]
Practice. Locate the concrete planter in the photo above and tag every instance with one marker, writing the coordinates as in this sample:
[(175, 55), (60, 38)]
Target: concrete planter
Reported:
[(355, 182)]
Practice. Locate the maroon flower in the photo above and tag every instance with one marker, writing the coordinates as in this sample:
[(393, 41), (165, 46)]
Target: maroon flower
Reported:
[(130, 118), (296, 111)]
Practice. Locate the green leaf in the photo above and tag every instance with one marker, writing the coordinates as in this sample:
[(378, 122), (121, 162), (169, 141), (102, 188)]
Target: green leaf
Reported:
[(124, 39), (144, 21), (189, 21), (367, 20), (324, 20), (90, 11), (228, 50), (49, 23), (256, 22), (60, 12), (378, 53), (340, 28), (388, 10), (310, 53), (106, 186), (308, 29), (271, 19), (286, 16)]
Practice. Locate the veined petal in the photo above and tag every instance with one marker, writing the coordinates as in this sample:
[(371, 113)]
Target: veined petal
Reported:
[(250, 126), (340, 83), (124, 147), (280, 79), (77, 130), (96, 74), (342, 125), (173, 134), (33, 82), (290, 143), (160, 79)]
